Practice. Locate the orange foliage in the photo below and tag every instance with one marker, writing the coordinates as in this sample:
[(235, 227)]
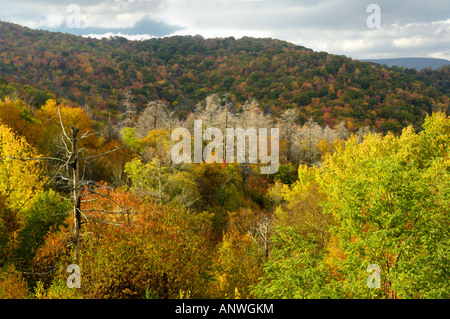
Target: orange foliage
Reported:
[(12, 284), (10, 115)]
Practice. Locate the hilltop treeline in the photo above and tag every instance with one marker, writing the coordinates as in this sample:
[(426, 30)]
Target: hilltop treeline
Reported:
[(183, 70)]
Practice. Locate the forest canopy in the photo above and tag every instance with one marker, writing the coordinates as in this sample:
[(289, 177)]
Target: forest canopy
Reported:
[(87, 176)]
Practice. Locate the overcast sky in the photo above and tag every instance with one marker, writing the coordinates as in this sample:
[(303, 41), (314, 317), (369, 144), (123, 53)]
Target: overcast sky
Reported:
[(407, 28)]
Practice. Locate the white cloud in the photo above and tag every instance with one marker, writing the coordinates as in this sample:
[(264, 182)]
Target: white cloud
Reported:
[(411, 42), (135, 37)]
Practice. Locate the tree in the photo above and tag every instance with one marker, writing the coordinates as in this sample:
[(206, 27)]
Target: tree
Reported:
[(155, 116), (154, 252), (389, 196), (289, 131), (17, 116), (208, 110), (10, 224), (252, 116), (54, 117), (237, 265), (310, 135), (21, 175), (128, 116), (48, 213), (296, 267), (381, 201), (153, 180)]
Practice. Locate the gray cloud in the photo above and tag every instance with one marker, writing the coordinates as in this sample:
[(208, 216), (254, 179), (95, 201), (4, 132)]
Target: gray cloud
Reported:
[(146, 26)]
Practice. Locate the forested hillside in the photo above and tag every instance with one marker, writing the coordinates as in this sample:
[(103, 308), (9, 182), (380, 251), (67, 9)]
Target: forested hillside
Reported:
[(88, 178), (183, 70)]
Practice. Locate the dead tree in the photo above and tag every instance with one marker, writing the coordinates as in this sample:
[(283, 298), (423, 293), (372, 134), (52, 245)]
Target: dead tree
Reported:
[(261, 233), (81, 188), (67, 175), (76, 195)]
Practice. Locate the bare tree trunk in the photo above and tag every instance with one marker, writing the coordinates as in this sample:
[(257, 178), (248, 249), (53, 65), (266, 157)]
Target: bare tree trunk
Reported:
[(155, 117), (310, 143), (288, 145), (76, 196), (159, 181)]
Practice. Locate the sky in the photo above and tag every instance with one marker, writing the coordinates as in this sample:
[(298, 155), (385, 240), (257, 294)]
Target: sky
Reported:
[(356, 28)]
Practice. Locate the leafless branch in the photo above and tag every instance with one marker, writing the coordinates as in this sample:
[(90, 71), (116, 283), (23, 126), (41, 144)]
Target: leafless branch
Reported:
[(102, 195), (106, 212), (43, 158), (102, 154), (102, 221), (89, 200), (29, 272), (62, 125)]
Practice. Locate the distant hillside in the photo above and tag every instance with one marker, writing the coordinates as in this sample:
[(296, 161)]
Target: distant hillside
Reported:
[(412, 63), (183, 70)]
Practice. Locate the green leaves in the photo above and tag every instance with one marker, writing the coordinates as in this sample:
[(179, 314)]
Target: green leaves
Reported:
[(389, 197), (295, 269), (48, 212)]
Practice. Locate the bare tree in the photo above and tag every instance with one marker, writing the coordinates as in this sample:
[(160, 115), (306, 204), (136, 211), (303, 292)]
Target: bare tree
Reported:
[(111, 131), (310, 134), (68, 171), (329, 135), (208, 110), (155, 116), (252, 116), (128, 117), (289, 130), (342, 131), (261, 233), (226, 117), (363, 131)]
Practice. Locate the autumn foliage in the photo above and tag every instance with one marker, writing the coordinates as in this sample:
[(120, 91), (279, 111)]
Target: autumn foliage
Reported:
[(363, 176)]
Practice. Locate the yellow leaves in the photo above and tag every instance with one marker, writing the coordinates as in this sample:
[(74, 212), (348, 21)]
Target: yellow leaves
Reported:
[(324, 147), (20, 180), (238, 260), (436, 135), (49, 116), (71, 116), (306, 175), (157, 138), (237, 294), (185, 294), (335, 252), (12, 284), (437, 124)]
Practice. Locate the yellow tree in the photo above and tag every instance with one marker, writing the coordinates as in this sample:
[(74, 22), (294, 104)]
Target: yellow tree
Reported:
[(51, 115), (21, 176)]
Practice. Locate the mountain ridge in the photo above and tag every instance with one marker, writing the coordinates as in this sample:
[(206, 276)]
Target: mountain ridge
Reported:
[(183, 70), (417, 63)]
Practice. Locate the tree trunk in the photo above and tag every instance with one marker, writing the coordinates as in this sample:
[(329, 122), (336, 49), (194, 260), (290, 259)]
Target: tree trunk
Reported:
[(76, 197), (159, 181)]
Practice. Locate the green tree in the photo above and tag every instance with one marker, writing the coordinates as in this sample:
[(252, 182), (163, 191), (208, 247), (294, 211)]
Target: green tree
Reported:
[(389, 196), (47, 214), (388, 199)]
